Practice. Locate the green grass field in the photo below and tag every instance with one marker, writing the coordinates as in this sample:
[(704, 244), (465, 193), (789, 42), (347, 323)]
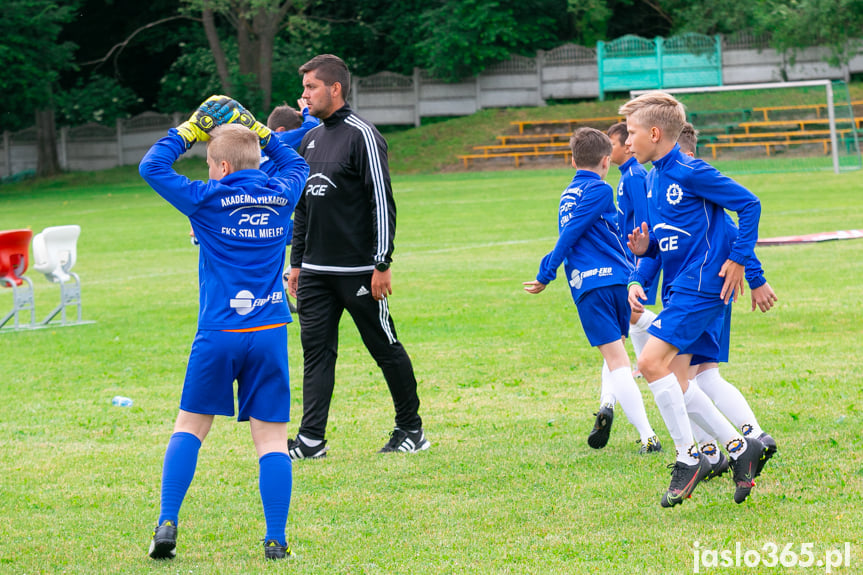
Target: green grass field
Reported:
[(508, 385)]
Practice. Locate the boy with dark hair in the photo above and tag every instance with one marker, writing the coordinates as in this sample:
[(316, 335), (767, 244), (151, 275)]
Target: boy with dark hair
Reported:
[(240, 218), (703, 271), (631, 211), (597, 268)]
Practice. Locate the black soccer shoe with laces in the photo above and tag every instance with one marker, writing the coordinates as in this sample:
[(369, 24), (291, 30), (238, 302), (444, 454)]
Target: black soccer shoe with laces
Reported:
[(275, 550), (719, 468), (684, 478), (164, 543), (299, 450), (406, 441), (652, 446), (769, 449), (745, 468), (598, 436)]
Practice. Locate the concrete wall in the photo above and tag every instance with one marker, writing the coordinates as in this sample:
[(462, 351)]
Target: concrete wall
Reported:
[(567, 72)]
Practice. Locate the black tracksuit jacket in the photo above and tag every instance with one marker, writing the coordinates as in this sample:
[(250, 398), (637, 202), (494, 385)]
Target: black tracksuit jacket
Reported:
[(345, 220)]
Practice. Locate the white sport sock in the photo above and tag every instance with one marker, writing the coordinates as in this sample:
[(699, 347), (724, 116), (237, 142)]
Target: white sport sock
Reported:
[(672, 407), (730, 401), (627, 393), (704, 413), (606, 394), (638, 331), (706, 443)]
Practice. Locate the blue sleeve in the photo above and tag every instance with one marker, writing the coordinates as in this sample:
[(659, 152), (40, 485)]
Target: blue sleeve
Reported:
[(157, 170), (711, 185), (754, 273), (291, 167), (646, 270), (638, 200), (294, 138), (584, 215)]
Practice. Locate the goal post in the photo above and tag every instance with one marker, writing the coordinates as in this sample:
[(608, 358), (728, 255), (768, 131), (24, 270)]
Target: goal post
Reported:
[(775, 127)]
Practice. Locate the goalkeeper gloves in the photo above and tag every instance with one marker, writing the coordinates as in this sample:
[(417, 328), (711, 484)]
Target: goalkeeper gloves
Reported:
[(214, 111), (245, 118)]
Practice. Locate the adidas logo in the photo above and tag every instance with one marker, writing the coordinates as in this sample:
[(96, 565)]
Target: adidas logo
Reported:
[(311, 145), (362, 291), (657, 324)]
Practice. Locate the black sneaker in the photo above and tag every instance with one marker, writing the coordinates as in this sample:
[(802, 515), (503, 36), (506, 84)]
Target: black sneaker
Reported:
[(719, 468), (164, 543), (652, 446), (684, 478), (769, 449), (274, 550), (299, 450), (598, 436), (745, 468), (406, 442)]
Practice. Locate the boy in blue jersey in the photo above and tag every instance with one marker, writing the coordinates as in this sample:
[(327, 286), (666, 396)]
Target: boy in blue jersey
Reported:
[(240, 218), (705, 371), (704, 270), (598, 269), (631, 211)]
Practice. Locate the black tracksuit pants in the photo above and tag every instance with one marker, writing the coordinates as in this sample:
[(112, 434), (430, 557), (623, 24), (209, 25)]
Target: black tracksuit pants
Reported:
[(321, 299)]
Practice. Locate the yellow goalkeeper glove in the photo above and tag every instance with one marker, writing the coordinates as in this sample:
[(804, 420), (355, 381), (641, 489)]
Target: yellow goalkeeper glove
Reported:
[(214, 111)]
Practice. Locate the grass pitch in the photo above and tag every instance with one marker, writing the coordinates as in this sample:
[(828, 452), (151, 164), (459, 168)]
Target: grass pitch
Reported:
[(507, 381)]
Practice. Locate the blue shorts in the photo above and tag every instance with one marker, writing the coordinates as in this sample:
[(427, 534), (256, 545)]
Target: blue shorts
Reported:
[(724, 344), (604, 314), (691, 323), (257, 360)]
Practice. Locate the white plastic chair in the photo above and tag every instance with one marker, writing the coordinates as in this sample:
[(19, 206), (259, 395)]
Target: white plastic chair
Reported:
[(55, 250)]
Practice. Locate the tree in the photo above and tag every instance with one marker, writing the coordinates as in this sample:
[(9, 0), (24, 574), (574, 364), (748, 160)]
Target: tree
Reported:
[(460, 38), (32, 59), (257, 24)]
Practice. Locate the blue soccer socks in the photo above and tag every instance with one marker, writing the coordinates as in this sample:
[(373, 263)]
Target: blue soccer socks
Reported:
[(181, 459), (275, 483)]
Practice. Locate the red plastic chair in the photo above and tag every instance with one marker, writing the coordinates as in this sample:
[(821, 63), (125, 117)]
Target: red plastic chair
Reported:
[(14, 255), (14, 259)]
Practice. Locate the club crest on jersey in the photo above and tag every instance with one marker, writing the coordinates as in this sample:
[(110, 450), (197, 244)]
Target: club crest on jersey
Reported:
[(674, 194)]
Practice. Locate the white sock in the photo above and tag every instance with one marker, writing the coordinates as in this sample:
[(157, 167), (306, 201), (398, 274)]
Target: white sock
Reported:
[(672, 407), (638, 331), (706, 443), (627, 393), (309, 442), (606, 394), (730, 402), (705, 414)]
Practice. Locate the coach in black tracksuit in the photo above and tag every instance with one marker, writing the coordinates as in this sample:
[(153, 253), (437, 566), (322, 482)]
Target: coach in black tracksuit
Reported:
[(344, 226)]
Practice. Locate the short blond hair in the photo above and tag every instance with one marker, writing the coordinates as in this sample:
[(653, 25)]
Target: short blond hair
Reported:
[(237, 145), (658, 109), (688, 139), (589, 146)]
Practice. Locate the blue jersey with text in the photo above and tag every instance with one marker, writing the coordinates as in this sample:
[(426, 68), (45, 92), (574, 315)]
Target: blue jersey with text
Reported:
[(631, 199), (589, 241), (241, 222), (686, 200)]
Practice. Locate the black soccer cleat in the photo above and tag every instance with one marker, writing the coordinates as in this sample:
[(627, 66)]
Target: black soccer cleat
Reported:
[(745, 468), (769, 450), (719, 468), (164, 543), (652, 446), (598, 436), (406, 442), (275, 550), (299, 450), (684, 478)]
